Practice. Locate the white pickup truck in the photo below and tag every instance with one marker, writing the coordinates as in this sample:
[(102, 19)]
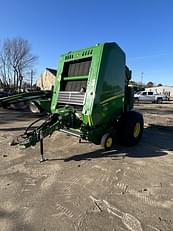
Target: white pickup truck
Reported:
[(149, 96)]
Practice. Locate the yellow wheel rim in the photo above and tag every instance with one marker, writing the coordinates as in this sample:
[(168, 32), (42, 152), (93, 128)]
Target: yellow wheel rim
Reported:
[(137, 130), (109, 142)]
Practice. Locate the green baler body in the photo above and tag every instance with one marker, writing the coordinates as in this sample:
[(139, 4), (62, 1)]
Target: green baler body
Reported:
[(105, 88), (101, 73)]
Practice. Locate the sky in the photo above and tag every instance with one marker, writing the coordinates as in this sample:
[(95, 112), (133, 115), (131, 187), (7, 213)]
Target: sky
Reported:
[(142, 28)]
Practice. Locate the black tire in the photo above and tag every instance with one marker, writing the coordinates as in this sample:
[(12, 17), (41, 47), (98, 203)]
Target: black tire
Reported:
[(107, 141), (33, 107), (130, 128), (159, 100)]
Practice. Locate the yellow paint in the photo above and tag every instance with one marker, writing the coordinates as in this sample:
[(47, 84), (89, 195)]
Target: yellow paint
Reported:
[(109, 142), (137, 130)]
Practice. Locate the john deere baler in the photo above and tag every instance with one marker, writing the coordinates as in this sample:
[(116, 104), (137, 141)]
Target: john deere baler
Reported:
[(91, 99)]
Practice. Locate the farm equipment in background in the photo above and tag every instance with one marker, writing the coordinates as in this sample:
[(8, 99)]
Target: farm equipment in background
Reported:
[(38, 101), (91, 100)]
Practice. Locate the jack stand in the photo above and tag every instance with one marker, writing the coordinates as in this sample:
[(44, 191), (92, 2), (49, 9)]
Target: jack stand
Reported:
[(42, 159)]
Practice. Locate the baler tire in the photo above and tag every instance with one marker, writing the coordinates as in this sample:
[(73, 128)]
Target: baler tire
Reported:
[(130, 128), (107, 141)]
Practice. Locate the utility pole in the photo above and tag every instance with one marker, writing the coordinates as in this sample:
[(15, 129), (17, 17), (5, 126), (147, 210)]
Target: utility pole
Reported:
[(31, 78)]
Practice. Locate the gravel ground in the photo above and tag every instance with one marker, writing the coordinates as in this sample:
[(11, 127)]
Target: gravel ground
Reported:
[(82, 187)]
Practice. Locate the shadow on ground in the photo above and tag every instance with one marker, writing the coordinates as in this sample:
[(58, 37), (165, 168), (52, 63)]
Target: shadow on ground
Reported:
[(13, 221), (156, 141)]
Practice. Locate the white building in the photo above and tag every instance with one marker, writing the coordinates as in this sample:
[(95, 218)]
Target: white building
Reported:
[(46, 79)]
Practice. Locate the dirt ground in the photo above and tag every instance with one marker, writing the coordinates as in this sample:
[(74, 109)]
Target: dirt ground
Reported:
[(82, 187)]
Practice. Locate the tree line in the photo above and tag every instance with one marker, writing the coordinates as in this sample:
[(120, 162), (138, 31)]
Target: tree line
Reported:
[(16, 59), (145, 85)]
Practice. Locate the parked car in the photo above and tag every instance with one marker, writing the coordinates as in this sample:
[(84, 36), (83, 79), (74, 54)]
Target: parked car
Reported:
[(149, 96)]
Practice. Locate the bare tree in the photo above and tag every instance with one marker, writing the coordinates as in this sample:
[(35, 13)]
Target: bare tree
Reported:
[(15, 60)]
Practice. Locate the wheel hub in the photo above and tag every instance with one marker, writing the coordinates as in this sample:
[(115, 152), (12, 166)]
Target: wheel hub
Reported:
[(109, 142), (137, 130)]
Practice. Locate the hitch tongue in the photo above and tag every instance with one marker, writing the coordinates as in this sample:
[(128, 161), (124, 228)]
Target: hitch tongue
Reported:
[(42, 159)]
